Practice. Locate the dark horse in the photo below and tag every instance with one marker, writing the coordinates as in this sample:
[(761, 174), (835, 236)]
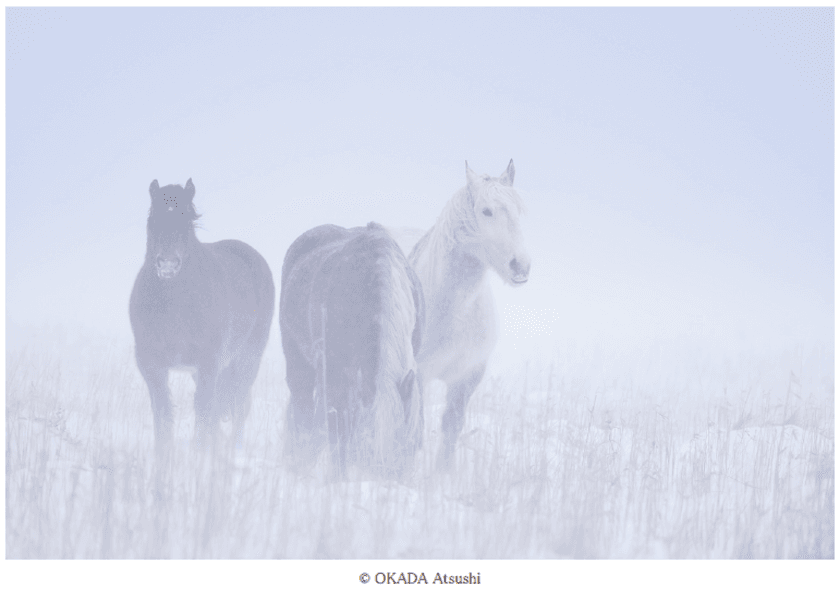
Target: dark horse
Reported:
[(200, 306), (351, 311)]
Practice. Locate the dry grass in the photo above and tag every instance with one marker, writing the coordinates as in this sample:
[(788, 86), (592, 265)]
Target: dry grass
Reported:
[(717, 460)]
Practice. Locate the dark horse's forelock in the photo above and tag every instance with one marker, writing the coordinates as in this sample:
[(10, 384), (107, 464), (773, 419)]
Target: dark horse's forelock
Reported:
[(172, 207)]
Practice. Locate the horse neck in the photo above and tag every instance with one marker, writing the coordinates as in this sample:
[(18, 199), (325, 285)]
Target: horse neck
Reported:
[(463, 272), (446, 263)]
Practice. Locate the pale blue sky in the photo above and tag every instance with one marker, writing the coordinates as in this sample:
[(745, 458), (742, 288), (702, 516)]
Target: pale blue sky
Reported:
[(676, 163)]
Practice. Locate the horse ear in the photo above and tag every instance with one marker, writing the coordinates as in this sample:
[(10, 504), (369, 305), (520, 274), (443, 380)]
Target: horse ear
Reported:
[(153, 188), (189, 188), (507, 177), (472, 178)]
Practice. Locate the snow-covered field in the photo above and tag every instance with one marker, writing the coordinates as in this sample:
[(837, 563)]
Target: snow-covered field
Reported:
[(565, 455)]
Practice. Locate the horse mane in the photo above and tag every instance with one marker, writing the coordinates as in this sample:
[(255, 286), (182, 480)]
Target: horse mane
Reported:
[(398, 327), (456, 224)]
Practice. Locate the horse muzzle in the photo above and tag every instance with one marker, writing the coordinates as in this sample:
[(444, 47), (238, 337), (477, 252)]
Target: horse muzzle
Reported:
[(520, 268), (168, 266)]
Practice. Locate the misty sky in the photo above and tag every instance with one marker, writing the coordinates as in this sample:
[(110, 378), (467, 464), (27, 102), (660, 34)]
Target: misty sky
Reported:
[(676, 164)]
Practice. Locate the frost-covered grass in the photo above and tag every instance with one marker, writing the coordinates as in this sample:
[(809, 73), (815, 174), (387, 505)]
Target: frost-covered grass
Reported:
[(566, 457)]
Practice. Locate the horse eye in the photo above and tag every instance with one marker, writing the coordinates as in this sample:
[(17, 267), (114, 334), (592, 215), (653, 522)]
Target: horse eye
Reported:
[(487, 212)]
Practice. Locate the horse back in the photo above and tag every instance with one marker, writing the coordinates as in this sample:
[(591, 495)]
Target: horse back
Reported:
[(341, 278), (306, 244)]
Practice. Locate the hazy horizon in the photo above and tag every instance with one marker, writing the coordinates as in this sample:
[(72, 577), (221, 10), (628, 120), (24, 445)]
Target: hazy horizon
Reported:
[(676, 164)]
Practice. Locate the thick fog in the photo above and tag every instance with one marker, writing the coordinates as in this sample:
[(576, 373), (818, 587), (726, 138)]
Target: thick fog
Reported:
[(676, 167)]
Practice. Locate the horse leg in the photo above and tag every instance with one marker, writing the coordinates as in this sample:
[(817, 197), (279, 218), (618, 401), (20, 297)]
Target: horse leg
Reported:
[(421, 425), (206, 406), (411, 393), (300, 416), (241, 406), (242, 376), (227, 390), (415, 439), (245, 368), (337, 433), (457, 395), (156, 378)]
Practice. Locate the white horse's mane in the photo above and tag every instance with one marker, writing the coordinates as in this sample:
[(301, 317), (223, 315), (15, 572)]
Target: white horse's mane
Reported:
[(457, 224)]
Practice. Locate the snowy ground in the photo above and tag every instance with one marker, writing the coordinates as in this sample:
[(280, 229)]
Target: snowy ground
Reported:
[(565, 456)]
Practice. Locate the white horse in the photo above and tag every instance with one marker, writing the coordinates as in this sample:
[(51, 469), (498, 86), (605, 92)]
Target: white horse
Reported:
[(477, 230)]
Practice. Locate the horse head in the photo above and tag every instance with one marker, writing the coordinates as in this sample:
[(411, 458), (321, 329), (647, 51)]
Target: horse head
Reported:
[(497, 237), (170, 229)]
